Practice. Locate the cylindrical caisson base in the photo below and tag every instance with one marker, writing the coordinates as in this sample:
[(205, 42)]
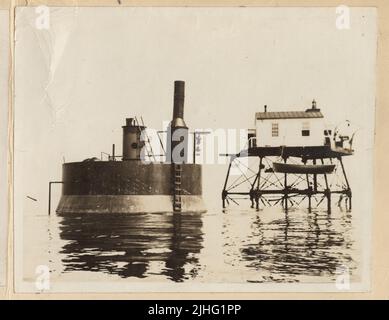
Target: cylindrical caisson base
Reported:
[(128, 187), (127, 204)]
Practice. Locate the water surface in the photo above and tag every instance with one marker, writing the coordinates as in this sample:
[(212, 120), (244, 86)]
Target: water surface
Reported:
[(233, 246)]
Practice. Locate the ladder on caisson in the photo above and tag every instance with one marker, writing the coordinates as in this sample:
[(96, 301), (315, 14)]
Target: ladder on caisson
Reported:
[(177, 188)]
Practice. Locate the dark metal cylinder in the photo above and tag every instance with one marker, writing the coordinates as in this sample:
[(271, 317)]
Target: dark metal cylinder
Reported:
[(127, 178), (132, 140), (177, 137), (179, 98)]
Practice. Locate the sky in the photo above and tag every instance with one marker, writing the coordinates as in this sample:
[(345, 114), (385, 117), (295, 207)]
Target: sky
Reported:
[(77, 81)]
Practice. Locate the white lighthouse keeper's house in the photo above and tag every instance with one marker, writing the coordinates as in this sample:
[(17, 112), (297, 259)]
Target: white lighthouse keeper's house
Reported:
[(290, 128)]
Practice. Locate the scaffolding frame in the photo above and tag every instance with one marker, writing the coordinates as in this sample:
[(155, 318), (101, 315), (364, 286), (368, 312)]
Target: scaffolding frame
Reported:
[(262, 186)]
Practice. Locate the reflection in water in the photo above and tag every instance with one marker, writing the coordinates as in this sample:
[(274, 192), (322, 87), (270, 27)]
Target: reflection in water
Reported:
[(300, 244), (235, 246), (133, 245)]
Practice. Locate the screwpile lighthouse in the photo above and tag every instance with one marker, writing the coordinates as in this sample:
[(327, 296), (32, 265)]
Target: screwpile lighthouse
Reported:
[(292, 156)]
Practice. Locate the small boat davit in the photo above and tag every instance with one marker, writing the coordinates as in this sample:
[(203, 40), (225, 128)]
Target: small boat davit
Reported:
[(303, 168)]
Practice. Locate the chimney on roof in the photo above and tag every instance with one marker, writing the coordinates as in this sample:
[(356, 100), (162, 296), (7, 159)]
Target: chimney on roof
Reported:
[(313, 108), (265, 108)]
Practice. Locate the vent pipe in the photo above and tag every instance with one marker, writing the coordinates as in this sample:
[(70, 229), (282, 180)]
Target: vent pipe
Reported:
[(177, 138)]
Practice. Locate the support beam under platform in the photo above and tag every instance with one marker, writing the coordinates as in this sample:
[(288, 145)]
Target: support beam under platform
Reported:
[(261, 184)]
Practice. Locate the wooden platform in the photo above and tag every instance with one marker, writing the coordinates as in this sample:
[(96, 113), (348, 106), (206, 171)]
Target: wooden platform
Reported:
[(308, 153)]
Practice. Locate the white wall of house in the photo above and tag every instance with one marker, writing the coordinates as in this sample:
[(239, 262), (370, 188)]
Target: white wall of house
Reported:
[(290, 132)]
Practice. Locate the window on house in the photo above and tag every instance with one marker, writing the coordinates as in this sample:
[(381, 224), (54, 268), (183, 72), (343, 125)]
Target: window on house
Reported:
[(305, 132), (274, 129), (327, 132)]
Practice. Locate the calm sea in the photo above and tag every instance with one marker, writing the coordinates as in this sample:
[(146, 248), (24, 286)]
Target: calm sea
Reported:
[(233, 246)]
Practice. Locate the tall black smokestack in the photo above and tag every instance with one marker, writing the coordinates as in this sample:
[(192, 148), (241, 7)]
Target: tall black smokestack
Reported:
[(177, 139), (179, 98), (178, 105)]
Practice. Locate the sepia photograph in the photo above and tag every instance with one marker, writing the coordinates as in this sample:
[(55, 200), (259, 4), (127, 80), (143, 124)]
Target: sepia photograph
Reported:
[(193, 149)]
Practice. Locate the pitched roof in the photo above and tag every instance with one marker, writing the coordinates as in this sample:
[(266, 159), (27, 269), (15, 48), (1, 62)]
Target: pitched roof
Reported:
[(289, 115)]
